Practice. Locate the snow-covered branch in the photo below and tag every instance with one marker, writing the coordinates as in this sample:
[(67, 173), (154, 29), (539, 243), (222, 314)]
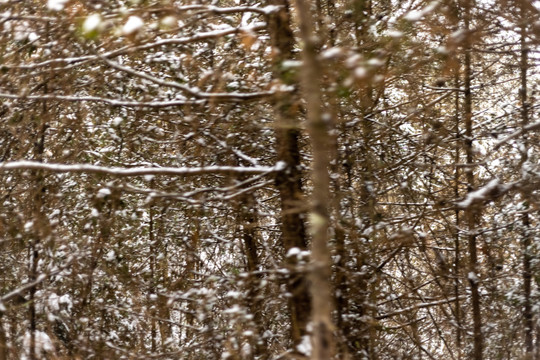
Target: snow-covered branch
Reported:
[(195, 92), (138, 171), (42, 277), (112, 102), (230, 10), (419, 306), (145, 46), (7, 16), (516, 134), (490, 191)]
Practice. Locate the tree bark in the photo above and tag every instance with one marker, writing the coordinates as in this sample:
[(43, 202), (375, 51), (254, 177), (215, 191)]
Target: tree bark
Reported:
[(457, 247), (317, 121), (526, 241), (289, 182), (471, 212), (253, 297)]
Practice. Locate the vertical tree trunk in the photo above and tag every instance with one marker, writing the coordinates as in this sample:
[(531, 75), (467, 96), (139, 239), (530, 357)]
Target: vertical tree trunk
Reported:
[(162, 268), (526, 242), (471, 213), (253, 297), (3, 339), (38, 231), (158, 309), (289, 182), (151, 288), (457, 247), (321, 286)]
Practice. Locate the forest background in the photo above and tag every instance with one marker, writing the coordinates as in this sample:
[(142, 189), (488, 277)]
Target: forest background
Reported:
[(349, 179)]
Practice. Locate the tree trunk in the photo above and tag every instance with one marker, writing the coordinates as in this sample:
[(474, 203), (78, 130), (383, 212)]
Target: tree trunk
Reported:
[(457, 247), (289, 182), (248, 219), (320, 274), (526, 242), (471, 212)]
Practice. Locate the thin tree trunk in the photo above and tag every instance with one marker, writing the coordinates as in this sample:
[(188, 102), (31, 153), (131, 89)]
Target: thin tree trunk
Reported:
[(526, 242), (320, 274), (39, 231), (471, 213), (457, 248), (253, 297), (289, 182), (151, 288), (3, 339), (162, 269)]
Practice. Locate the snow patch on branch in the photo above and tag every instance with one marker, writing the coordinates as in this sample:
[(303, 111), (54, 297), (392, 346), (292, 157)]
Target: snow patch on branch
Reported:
[(138, 171), (133, 25), (305, 346), (270, 9), (56, 5), (488, 192), (92, 23), (43, 343), (417, 15), (473, 277)]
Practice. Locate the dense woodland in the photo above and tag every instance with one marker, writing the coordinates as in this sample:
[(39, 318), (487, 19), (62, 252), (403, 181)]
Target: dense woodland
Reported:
[(250, 179)]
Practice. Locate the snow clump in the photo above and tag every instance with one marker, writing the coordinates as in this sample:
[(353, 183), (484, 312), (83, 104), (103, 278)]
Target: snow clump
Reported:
[(56, 5), (91, 23), (133, 25)]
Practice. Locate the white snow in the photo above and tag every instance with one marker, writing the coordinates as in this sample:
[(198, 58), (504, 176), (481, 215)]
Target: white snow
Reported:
[(246, 350), (458, 35), (269, 9), (416, 15), (376, 62), (442, 50), (220, 27), (28, 226), (481, 194), (133, 25), (291, 64), (43, 343), (332, 52), (281, 165), (136, 171), (360, 72), (91, 23), (472, 277), (169, 21), (305, 346), (56, 5), (293, 252), (394, 33), (110, 256), (353, 61), (53, 302), (234, 294), (245, 19), (103, 192), (235, 309), (65, 300)]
